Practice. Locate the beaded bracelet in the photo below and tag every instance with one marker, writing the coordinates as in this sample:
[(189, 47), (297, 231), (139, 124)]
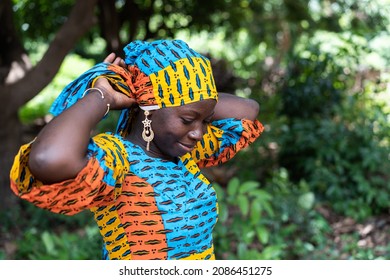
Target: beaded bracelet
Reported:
[(101, 94)]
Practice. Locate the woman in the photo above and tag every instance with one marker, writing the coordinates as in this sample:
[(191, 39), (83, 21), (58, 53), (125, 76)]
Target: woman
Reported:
[(143, 183)]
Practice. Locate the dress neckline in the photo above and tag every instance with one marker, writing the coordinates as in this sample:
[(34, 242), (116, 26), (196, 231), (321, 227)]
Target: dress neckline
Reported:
[(178, 160)]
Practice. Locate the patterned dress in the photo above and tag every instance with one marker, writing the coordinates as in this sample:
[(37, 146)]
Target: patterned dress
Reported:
[(145, 207)]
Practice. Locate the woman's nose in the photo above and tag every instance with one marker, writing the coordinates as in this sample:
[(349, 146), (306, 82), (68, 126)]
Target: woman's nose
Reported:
[(196, 134)]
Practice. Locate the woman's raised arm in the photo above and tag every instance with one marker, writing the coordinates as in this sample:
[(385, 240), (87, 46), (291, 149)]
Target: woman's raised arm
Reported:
[(59, 151), (232, 106)]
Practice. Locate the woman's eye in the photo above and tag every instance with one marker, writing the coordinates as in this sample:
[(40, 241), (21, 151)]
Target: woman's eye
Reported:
[(187, 121)]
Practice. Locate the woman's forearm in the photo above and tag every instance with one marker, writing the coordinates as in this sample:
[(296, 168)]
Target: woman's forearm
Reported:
[(232, 106)]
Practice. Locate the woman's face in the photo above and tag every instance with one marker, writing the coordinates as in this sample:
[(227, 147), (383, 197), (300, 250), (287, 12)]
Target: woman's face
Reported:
[(178, 129)]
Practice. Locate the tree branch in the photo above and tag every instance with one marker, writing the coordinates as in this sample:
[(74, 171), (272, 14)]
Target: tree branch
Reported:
[(80, 20)]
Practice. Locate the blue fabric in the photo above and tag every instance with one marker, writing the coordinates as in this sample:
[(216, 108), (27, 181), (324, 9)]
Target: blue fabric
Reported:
[(74, 90)]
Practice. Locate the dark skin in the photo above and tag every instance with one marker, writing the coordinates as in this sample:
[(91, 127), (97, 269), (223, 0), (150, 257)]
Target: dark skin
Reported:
[(60, 149), (176, 129)]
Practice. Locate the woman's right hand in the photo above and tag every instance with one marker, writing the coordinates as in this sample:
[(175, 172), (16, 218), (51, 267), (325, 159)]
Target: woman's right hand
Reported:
[(113, 59), (116, 99)]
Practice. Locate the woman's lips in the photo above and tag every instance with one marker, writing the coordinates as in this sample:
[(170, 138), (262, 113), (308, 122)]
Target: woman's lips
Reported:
[(186, 147)]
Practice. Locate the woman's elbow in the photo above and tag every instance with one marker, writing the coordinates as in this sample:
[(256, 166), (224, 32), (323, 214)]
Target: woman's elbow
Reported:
[(253, 109), (41, 165), (52, 169)]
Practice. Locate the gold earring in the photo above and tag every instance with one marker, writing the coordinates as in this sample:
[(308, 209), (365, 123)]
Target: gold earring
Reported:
[(147, 133)]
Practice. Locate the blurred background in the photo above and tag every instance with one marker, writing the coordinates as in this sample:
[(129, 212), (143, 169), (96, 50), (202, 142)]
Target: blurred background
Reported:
[(314, 186)]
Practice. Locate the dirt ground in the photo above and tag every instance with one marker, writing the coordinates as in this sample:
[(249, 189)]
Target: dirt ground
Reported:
[(373, 233)]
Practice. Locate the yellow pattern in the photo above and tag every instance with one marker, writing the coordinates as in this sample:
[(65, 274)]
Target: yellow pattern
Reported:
[(193, 167), (168, 91), (20, 171), (203, 148), (202, 256), (112, 146), (200, 151), (116, 242)]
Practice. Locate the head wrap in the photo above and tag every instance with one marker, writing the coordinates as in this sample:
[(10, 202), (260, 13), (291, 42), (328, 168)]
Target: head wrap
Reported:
[(159, 74)]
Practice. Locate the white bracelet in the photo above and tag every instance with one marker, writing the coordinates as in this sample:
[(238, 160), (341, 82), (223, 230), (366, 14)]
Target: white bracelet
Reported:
[(101, 94)]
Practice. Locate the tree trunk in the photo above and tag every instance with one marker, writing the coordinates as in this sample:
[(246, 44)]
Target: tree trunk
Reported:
[(110, 26), (17, 92), (10, 140), (14, 64)]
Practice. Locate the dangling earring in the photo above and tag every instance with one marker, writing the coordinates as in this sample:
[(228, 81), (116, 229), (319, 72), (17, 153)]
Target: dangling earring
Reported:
[(147, 133)]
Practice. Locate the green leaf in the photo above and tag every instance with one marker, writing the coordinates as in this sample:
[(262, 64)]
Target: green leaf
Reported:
[(243, 204), (262, 234), (261, 194), (232, 186), (306, 200), (272, 252), (248, 186), (248, 236), (242, 249), (48, 242), (256, 209), (268, 208)]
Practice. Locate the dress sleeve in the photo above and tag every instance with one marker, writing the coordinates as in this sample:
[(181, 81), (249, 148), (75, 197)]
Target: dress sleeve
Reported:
[(97, 184), (224, 138)]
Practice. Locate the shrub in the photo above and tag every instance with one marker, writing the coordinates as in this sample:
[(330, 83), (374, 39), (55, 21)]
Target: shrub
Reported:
[(338, 143)]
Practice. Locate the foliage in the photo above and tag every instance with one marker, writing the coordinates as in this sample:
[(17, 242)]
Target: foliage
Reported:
[(82, 245), (271, 23), (351, 170), (311, 90), (261, 222), (338, 140), (40, 19), (243, 201), (41, 235), (326, 140), (279, 220)]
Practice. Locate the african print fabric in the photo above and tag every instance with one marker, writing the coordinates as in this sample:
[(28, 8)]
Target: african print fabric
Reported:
[(164, 73), (145, 208)]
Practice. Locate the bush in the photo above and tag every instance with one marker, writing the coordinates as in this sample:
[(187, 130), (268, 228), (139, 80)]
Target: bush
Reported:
[(338, 143), (276, 221), (281, 220), (42, 235)]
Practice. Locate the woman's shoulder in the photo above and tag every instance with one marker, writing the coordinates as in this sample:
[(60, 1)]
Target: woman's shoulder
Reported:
[(116, 145), (108, 143), (109, 137)]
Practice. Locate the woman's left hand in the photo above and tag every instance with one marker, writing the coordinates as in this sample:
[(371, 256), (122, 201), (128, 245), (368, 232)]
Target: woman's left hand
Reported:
[(113, 59)]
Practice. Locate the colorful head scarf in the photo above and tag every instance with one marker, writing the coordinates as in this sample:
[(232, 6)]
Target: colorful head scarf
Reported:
[(163, 73)]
